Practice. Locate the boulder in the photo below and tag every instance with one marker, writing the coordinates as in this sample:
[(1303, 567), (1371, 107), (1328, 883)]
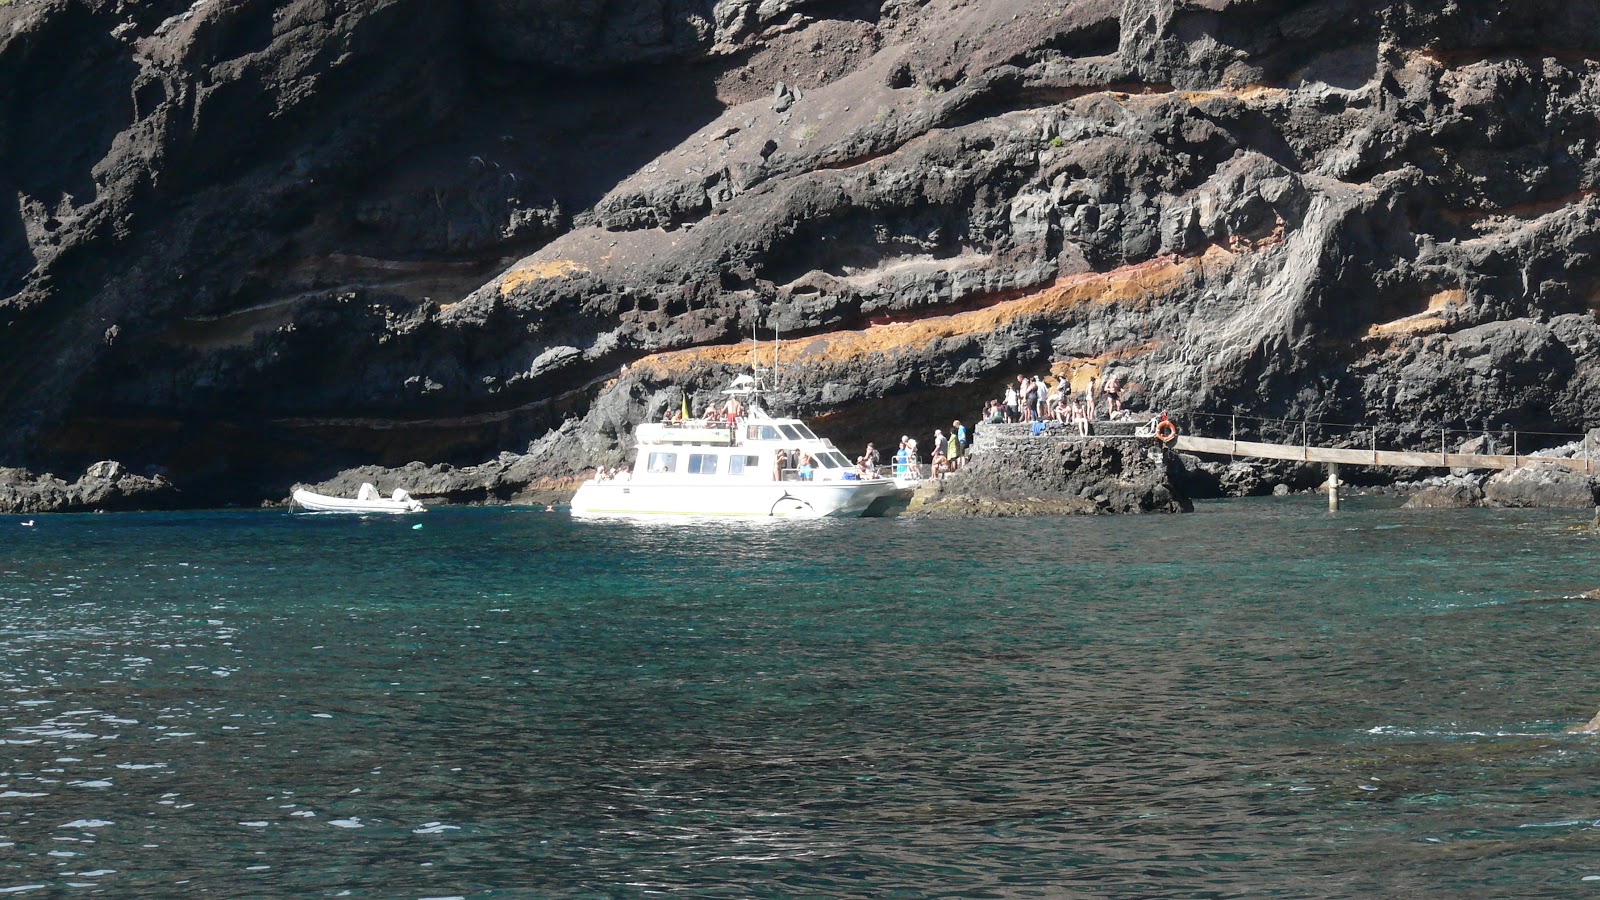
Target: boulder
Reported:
[(1452, 494), (1047, 475), (1540, 486)]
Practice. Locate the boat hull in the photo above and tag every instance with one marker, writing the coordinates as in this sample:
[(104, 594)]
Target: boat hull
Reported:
[(786, 499), (322, 503)]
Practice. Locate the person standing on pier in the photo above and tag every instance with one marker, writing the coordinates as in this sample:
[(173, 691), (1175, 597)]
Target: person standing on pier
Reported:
[(1113, 392)]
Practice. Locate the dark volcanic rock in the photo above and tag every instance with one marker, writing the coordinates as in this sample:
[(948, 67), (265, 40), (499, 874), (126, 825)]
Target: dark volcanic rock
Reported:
[(1053, 474), (1209, 478), (507, 478), (1540, 486), (1452, 493), (106, 487), (261, 241)]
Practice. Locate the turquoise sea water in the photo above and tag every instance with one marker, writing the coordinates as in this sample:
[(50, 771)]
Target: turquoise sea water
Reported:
[(1255, 699)]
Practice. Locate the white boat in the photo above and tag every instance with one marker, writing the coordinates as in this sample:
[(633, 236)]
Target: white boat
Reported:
[(747, 464), (367, 501)]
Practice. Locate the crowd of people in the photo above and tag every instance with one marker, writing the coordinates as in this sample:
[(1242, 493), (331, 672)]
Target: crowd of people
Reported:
[(1030, 400), (1033, 399), (949, 454), (714, 415)]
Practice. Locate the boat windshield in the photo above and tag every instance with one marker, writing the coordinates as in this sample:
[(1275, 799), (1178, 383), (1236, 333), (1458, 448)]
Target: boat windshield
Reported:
[(792, 433)]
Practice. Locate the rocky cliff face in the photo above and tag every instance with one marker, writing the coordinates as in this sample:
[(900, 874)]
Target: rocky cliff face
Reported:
[(251, 243)]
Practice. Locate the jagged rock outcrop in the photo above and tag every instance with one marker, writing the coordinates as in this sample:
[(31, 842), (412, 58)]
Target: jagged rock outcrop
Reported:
[(1012, 472), (260, 242), (508, 478), (106, 487), (1455, 492), (1541, 486), (1202, 479)]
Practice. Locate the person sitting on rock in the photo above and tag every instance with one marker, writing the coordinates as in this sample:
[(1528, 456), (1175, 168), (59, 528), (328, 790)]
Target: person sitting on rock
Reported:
[(1080, 419)]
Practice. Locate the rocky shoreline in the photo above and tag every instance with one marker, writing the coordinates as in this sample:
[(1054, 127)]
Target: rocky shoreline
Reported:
[(1010, 472)]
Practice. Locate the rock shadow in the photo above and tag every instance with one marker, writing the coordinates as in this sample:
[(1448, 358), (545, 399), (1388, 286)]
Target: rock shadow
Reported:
[(16, 256), (67, 96)]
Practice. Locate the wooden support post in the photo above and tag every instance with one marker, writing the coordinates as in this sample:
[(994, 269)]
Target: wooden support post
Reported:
[(1374, 446), (1333, 487), (1305, 442), (1235, 433), (1514, 463)]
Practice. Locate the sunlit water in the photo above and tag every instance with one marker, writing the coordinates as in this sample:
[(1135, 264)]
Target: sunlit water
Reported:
[(1257, 698)]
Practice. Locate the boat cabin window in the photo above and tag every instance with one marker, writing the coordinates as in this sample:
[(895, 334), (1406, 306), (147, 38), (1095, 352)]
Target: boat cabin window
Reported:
[(739, 463), (792, 432), (702, 464), (839, 460), (804, 431), (663, 462), (761, 433)]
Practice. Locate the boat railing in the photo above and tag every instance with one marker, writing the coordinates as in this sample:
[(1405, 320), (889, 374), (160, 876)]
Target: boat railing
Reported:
[(850, 474)]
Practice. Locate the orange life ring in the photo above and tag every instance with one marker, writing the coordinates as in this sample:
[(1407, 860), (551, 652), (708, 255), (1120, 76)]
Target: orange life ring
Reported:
[(1166, 432)]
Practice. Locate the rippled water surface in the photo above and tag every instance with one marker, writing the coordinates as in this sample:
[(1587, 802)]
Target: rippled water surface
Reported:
[(1258, 698)]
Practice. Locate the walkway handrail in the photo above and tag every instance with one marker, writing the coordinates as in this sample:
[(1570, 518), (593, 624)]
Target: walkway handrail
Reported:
[(1304, 451)]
